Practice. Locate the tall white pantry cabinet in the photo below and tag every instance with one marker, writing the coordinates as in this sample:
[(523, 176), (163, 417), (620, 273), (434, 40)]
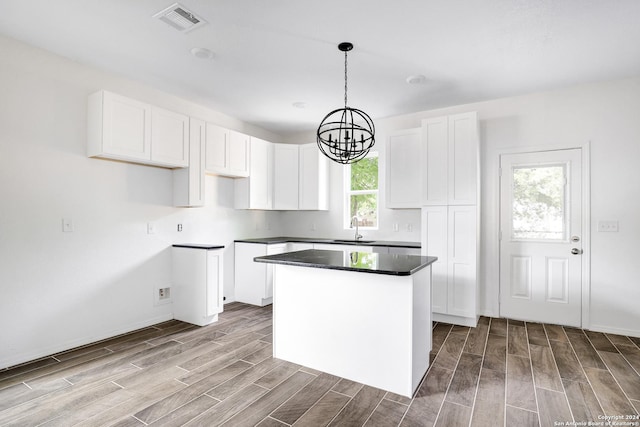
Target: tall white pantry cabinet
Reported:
[(450, 214), (448, 172)]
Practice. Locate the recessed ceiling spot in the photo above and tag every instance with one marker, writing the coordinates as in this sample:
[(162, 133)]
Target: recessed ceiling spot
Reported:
[(416, 79), (180, 18), (202, 53), (300, 104)]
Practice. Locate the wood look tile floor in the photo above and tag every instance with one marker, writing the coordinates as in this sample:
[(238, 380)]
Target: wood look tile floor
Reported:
[(501, 373)]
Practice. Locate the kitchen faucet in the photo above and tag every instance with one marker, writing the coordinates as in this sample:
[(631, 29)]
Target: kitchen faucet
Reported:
[(354, 220)]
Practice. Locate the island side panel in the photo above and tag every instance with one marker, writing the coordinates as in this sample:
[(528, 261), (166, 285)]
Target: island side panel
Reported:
[(351, 324), (421, 324)]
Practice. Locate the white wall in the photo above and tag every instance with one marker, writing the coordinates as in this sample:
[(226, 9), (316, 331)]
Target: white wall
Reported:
[(59, 290), (605, 115)]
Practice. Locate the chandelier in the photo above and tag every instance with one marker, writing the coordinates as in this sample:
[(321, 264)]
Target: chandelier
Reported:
[(346, 135)]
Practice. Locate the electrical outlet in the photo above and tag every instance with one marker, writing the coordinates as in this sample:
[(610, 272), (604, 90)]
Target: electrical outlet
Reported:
[(151, 228), (313, 226), (179, 227), (162, 296), (164, 293), (409, 227), (396, 227)]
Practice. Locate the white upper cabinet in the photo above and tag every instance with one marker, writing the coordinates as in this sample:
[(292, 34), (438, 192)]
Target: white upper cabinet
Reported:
[(216, 148), (256, 191), (119, 127), (227, 152), (434, 165), (450, 160), (169, 137), (239, 154), (463, 159), (314, 179), (435, 157), (403, 169), (124, 129), (188, 183), (285, 177)]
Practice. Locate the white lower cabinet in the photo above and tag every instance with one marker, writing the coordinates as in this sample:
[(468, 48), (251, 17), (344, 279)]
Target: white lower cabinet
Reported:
[(197, 283), (404, 251), (298, 246), (450, 233), (337, 247), (253, 280)]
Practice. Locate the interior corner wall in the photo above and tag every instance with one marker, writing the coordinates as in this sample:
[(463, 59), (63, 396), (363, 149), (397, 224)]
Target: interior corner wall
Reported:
[(60, 290), (604, 115)]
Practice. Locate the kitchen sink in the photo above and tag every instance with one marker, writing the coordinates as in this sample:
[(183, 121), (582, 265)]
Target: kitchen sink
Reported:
[(352, 241)]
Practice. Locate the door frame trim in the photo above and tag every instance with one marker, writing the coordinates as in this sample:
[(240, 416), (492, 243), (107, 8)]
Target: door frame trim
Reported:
[(586, 218)]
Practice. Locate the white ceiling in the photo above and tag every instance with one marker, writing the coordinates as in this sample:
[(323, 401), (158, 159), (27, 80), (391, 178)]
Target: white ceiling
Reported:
[(270, 54)]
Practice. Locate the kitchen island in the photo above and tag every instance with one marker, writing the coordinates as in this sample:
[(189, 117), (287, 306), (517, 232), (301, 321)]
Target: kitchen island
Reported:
[(359, 315)]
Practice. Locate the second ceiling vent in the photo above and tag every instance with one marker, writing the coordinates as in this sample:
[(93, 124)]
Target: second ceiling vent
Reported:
[(180, 18)]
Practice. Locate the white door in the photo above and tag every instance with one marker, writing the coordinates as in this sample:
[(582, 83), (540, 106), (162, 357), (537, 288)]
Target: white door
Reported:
[(541, 245)]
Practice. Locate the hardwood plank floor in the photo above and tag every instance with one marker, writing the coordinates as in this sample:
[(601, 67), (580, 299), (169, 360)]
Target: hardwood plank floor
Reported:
[(502, 373)]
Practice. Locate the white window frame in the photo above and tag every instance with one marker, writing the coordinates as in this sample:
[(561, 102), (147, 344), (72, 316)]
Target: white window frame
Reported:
[(347, 193)]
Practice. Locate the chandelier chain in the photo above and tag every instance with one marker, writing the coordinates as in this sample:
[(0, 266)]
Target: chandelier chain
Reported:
[(345, 78)]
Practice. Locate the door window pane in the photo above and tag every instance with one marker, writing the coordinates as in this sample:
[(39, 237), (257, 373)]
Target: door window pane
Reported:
[(539, 202)]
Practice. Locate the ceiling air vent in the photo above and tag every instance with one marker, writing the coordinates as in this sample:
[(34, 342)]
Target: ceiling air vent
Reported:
[(180, 18)]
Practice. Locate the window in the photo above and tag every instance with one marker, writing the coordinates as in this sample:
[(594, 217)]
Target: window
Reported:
[(539, 202), (361, 192)]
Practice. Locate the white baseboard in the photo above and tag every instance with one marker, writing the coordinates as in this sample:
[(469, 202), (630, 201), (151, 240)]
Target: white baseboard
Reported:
[(16, 359), (615, 331), (488, 313), (455, 320)]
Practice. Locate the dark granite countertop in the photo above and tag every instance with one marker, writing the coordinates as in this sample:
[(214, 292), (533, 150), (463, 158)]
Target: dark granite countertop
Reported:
[(366, 262), (364, 242), (198, 246)]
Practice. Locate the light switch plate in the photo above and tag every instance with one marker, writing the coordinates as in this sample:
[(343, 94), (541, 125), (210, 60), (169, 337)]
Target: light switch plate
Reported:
[(67, 225), (608, 226)]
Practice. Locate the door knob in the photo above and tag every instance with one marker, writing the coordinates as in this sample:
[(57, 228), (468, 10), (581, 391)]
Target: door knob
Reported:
[(576, 251)]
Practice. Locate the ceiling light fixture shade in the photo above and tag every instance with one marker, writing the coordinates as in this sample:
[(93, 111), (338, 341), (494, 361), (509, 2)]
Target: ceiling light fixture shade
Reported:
[(346, 135)]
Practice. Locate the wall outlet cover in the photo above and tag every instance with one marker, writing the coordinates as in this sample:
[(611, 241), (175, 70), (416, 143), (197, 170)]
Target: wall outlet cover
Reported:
[(608, 226), (67, 225)]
